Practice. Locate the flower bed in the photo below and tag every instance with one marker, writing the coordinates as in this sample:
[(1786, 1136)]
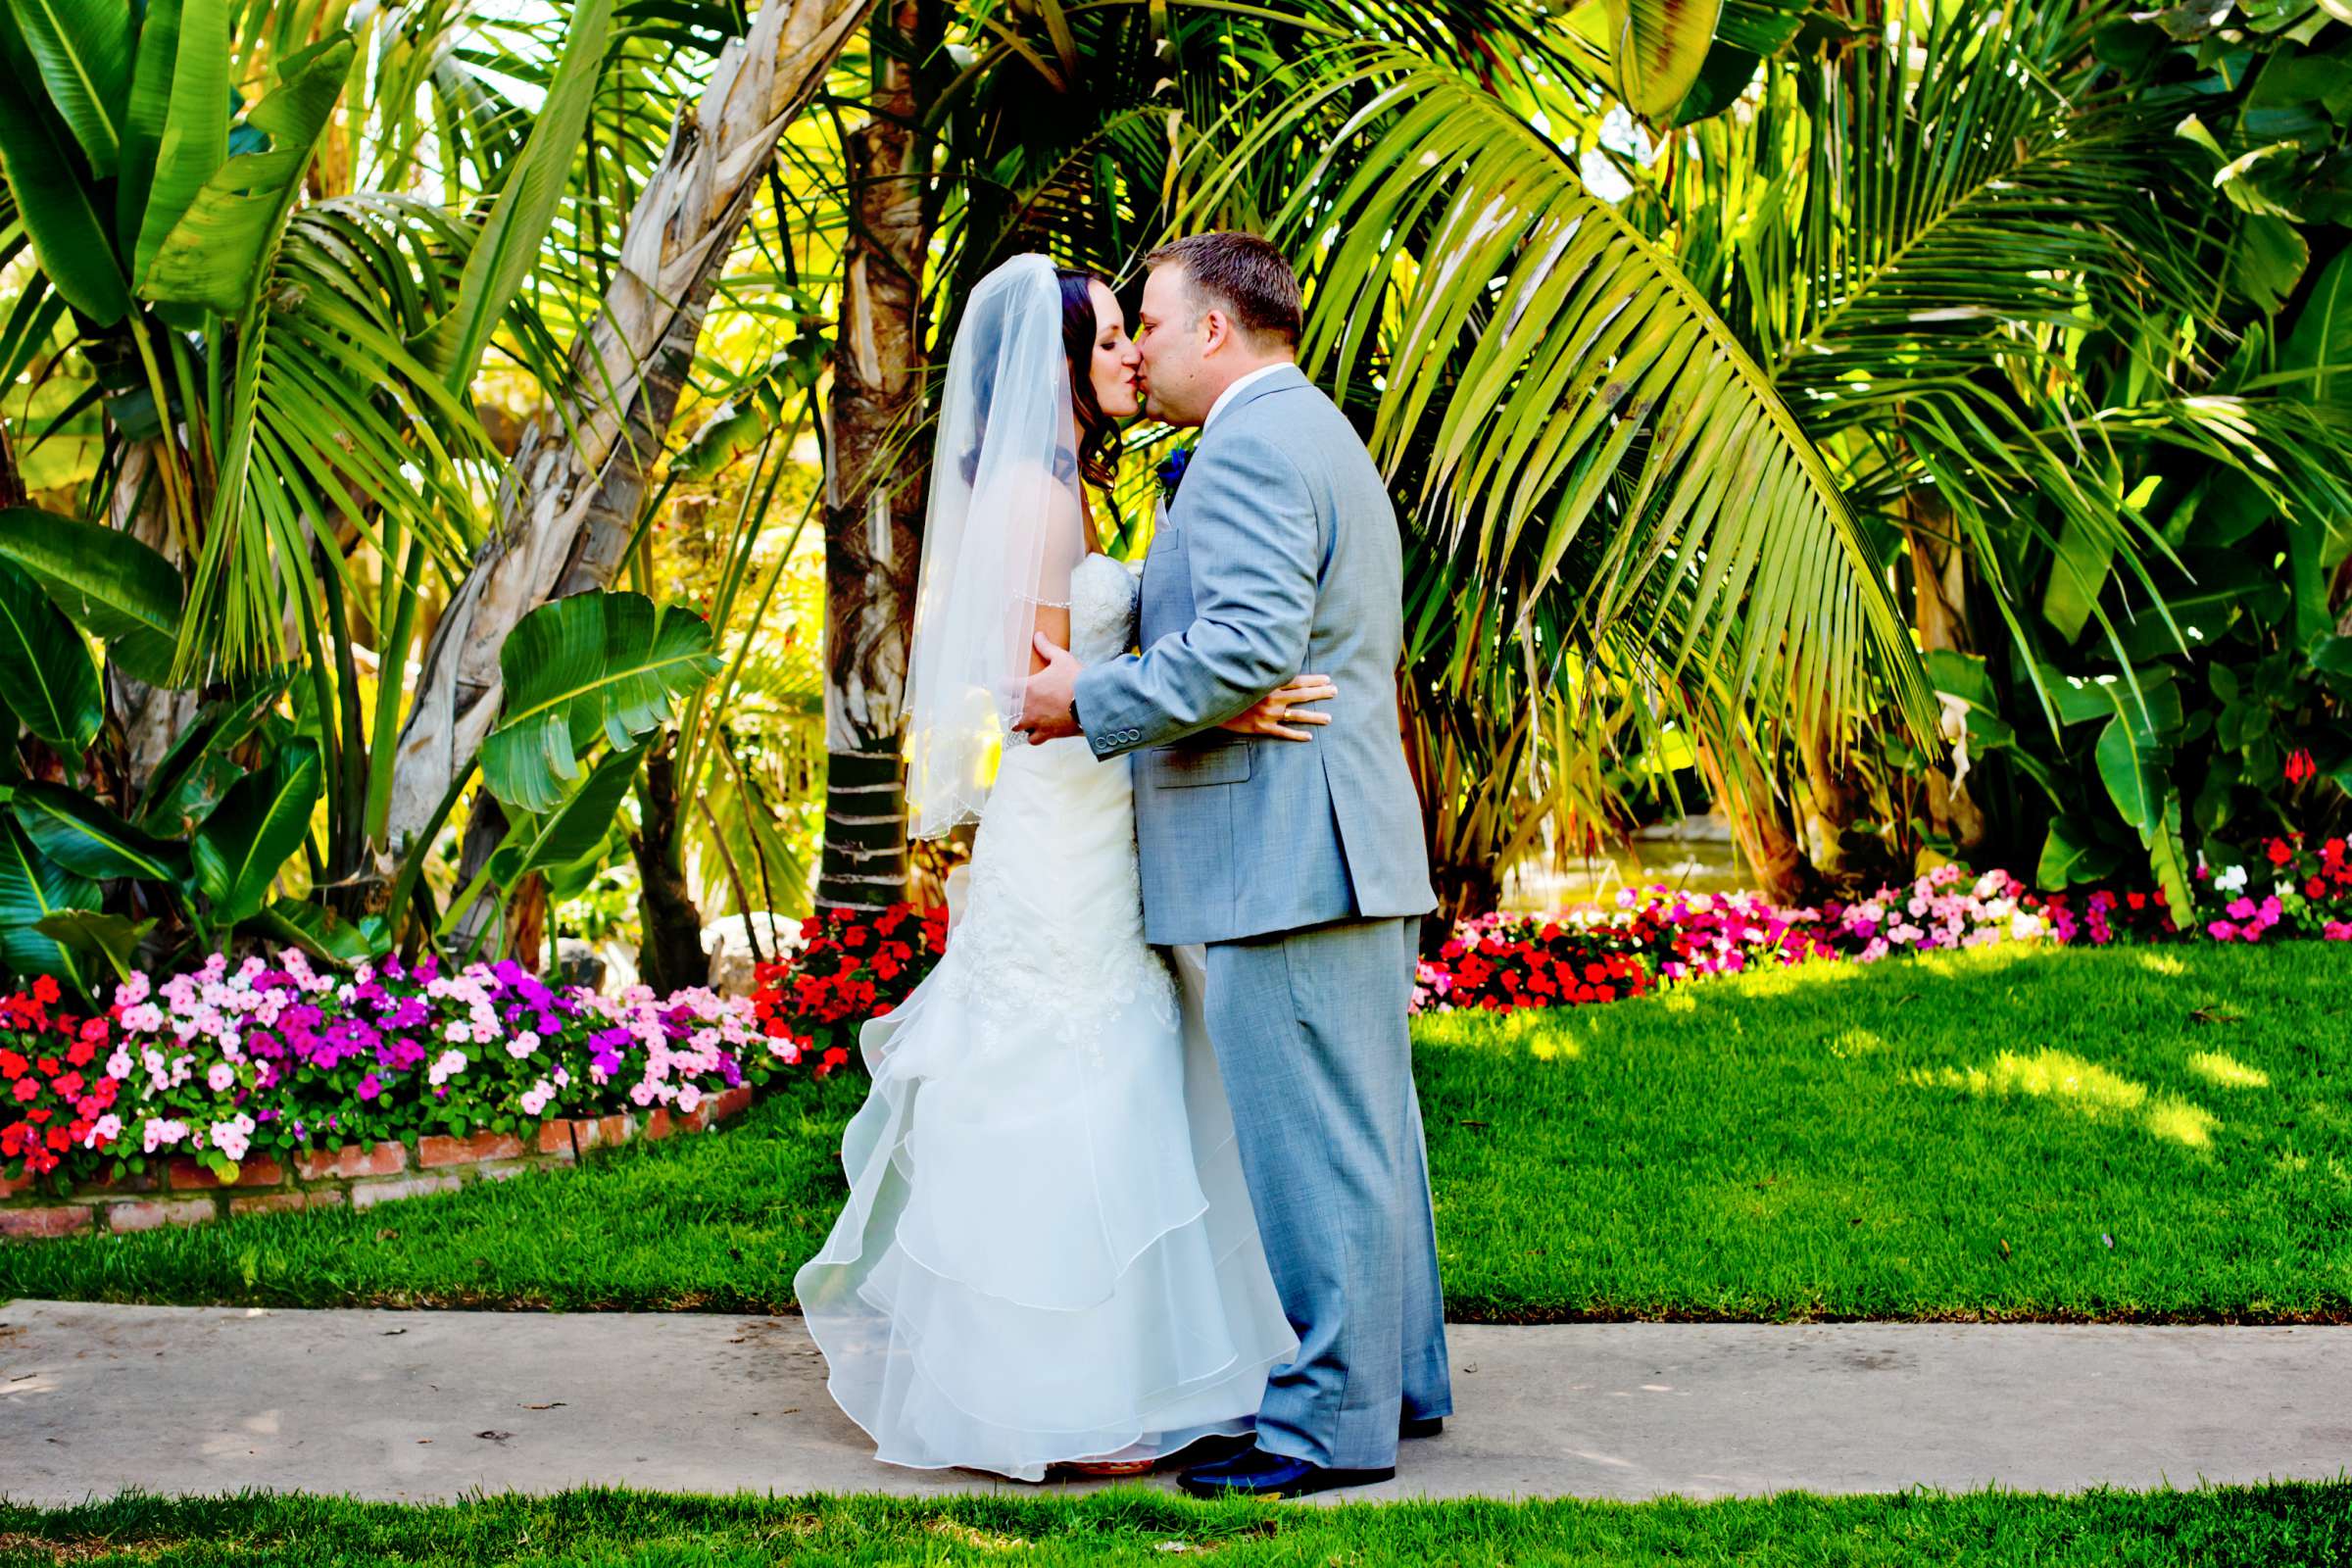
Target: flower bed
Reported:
[(267, 1060), (848, 967), (1657, 936)]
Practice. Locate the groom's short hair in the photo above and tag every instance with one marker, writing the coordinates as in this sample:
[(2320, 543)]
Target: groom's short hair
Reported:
[(1244, 275)]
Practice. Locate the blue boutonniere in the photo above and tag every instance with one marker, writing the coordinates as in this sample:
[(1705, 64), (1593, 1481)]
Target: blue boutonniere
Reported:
[(1171, 471)]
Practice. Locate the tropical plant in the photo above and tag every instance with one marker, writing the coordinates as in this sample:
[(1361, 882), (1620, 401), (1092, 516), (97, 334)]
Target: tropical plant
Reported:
[(2034, 349), (288, 443)]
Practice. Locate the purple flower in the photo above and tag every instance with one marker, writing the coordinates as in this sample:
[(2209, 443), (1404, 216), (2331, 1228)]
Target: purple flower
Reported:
[(370, 1087)]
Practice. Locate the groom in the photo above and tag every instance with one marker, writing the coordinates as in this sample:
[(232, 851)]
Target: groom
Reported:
[(1300, 866)]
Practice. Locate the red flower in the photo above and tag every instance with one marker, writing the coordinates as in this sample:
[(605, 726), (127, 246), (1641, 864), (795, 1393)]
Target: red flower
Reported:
[(27, 1089), (2300, 766), (44, 988), (2280, 850)]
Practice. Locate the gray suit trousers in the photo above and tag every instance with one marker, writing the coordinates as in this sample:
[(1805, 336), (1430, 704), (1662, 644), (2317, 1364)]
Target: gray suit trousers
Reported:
[(1309, 1028)]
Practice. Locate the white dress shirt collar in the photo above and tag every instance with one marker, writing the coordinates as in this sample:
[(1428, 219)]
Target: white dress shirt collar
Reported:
[(1228, 394)]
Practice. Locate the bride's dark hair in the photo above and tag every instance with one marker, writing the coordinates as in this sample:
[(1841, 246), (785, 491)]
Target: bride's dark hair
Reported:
[(1097, 433)]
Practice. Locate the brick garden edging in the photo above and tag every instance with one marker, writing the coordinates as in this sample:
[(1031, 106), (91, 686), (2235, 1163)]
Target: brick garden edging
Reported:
[(185, 1193)]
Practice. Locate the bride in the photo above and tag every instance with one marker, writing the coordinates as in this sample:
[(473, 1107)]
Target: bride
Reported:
[(1048, 1256)]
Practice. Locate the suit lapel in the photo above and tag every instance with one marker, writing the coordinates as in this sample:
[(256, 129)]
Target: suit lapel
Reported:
[(1159, 532)]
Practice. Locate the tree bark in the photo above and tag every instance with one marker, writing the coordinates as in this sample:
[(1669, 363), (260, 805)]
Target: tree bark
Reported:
[(1741, 787), (572, 495), (874, 477), (670, 951), (151, 716), (1939, 613)]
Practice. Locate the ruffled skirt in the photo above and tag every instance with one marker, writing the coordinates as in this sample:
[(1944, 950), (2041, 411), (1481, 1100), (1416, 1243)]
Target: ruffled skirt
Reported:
[(1048, 1251)]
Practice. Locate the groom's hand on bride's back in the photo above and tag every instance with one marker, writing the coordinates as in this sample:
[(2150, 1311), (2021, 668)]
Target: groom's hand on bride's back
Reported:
[(1279, 709)]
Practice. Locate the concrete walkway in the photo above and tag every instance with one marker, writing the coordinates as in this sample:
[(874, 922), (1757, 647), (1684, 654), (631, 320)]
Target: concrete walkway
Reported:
[(428, 1405)]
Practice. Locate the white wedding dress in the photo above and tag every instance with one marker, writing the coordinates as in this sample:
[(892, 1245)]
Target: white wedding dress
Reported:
[(1048, 1251)]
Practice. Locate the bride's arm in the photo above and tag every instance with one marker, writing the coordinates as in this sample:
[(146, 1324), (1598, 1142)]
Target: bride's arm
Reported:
[(1052, 625), (1042, 601)]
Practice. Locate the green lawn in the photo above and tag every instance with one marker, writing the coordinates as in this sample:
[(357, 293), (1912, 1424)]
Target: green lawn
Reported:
[(2138, 1134), (2216, 1527)]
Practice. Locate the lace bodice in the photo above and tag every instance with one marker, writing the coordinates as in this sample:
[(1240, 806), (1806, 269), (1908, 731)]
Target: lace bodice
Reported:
[(1102, 607), (1051, 942)]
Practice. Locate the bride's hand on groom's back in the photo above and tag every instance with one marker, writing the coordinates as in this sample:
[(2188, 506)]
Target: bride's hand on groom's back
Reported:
[(1278, 710)]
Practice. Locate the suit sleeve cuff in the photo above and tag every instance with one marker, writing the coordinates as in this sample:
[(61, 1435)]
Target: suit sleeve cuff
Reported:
[(1113, 738)]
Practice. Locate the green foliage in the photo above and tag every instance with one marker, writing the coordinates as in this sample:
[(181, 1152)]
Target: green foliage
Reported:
[(184, 61), (83, 48), (88, 839), (1659, 47), (590, 665), (278, 373), (112, 587), (216, 254), (46, 676), (258, 826)]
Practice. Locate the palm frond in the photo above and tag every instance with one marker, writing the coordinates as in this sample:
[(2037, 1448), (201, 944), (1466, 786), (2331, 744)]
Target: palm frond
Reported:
[(1573, 421)]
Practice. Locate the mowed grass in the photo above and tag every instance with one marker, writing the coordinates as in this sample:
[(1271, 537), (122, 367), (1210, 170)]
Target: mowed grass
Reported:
[(2306, 1524), (2137, 1134)]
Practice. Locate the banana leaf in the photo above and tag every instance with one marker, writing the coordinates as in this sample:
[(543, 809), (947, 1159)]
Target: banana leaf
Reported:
[(257, 828), (46, 672), (54, 204), (88, 839), (113, 586), (33, 887), (593, 663), (218, 252), (182, 93), (84, 51), (115, 937)]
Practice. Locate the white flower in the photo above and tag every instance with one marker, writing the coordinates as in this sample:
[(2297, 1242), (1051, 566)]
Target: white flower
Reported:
[(2232, 880), (230, 1137)]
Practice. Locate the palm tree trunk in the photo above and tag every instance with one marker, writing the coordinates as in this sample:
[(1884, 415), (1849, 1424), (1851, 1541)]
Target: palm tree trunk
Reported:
[(670, 951), (1939, 613), (874, 477), (151, 718), (572, 493), (1743, 790)]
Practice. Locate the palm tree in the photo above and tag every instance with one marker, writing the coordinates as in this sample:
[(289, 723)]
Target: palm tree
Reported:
[(875, 475), (279, 367), (1967, 251), (571, 506)]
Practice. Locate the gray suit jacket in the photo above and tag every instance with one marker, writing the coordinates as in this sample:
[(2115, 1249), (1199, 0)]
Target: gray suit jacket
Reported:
[(1279, 556)]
